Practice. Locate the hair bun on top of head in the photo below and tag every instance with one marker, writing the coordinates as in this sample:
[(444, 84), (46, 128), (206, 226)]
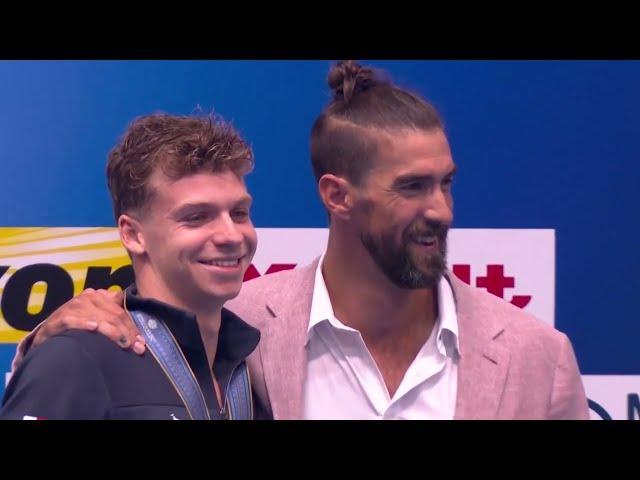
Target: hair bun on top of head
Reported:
[(347, 78)]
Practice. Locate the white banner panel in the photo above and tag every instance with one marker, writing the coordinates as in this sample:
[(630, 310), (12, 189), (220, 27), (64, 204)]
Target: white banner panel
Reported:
[(615, 397)]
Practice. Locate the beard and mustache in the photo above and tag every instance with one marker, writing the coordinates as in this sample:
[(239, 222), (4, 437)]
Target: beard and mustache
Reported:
[(404, 268)]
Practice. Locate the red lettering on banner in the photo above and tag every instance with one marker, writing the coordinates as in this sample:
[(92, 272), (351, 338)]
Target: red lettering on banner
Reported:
[(278, 267), (521, 300), (463, 272), (252, 271), (494, 282)]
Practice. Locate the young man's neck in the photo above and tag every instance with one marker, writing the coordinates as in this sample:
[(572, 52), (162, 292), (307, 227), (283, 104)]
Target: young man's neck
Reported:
[(208, 316), (209, 326)]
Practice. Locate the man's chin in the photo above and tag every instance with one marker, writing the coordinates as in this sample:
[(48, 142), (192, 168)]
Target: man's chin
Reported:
[(428, 276), (215, 296), (227, 294), (427, 264)]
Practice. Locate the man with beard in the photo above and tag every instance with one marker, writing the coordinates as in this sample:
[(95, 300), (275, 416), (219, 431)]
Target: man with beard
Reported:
[(377, 327)]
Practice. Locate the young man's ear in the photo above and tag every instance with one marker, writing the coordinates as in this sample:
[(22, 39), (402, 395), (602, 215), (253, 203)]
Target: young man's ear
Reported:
[(337, 195), (131, 234)]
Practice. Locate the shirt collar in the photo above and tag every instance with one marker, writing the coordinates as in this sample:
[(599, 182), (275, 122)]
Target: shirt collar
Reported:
[(446, 323)]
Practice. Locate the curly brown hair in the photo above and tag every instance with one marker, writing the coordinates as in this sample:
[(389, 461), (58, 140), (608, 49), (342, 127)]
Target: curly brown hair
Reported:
[(179, 146)]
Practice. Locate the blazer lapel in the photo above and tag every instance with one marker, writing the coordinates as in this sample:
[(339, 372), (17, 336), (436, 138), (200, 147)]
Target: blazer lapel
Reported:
[(484, 364), (283, 350)]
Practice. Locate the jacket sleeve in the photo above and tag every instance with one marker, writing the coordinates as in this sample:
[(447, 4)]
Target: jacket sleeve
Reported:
[(568, 399), (56, 380)]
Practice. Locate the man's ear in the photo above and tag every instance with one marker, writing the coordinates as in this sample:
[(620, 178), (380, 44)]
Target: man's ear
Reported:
[(131, 234), (336, 194)]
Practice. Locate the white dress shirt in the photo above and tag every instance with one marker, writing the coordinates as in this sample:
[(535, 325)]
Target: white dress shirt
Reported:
[(343, 381)]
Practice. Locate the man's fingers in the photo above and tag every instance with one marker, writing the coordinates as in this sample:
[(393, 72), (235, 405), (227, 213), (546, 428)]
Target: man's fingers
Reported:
[(91, 324), (101, 299), (116, 333), (139, 346), (95, 310), (116, 296), (56, 325)]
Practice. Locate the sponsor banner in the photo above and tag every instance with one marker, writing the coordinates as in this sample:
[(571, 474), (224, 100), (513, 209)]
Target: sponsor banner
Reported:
[(41, 268)]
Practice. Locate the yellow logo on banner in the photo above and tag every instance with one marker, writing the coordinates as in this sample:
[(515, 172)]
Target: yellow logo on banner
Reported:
[(42, 268)]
